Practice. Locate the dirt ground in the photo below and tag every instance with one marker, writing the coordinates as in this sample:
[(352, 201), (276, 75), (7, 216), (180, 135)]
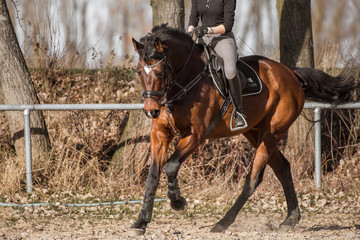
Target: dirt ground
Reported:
[(322, 226), (325, 215)]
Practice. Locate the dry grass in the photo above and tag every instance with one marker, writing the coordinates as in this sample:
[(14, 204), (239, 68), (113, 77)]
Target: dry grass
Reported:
[(82, 141)]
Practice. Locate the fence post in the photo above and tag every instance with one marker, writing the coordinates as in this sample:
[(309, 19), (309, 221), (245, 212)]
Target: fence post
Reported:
[(28, 160), (317, 119)]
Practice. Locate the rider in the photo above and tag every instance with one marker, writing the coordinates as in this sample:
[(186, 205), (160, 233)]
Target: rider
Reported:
[(217, 18)]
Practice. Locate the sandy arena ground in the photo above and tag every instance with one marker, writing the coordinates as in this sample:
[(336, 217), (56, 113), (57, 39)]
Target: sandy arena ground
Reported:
[(324, 216)]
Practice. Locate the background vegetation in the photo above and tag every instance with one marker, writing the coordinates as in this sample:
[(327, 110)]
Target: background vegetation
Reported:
[(76, 69)]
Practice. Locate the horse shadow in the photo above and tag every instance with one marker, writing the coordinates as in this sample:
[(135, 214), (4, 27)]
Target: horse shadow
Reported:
[(333, 227)]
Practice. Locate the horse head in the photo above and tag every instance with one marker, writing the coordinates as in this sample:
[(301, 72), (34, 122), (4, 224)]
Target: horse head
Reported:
[(152, 69), (164, 65)]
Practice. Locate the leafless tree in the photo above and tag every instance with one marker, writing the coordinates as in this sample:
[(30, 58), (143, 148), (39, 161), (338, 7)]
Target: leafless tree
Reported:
[(171, 12), (296, 50), (16, 87), (296, 41)]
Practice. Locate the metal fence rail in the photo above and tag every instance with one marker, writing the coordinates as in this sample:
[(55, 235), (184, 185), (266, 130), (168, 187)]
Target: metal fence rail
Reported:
[(27, 108), (317, 142), (66, 107)]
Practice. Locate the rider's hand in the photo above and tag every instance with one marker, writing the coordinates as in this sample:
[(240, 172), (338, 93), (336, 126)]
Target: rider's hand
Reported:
[(190, 33), (200, 31)]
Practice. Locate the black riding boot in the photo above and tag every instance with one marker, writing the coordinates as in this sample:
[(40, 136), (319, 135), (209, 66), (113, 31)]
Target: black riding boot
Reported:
[(236, 96)]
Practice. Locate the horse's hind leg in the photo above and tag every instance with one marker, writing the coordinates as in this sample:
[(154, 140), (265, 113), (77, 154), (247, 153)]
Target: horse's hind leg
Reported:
[(281, 167), (253, 179)]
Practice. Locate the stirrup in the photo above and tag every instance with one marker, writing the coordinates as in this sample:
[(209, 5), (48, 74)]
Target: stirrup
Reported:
[(232, 119)]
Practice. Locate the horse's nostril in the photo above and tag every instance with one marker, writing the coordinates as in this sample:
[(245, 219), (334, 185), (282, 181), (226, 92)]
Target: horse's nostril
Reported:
[(155, 113)]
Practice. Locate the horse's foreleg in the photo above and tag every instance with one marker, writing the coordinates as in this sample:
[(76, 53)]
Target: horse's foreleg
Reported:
[(177, 202), (185, 147), (281, 167), (159, 145), (148, 203)]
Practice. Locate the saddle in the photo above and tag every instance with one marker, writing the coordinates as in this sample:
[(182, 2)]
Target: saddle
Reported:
[(251, 85)]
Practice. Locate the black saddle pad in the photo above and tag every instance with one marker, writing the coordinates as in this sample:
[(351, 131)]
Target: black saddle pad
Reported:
[(252, 85), (253, 82)]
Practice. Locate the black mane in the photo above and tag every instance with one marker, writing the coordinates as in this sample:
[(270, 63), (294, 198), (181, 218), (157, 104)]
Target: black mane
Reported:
[(164, 33)]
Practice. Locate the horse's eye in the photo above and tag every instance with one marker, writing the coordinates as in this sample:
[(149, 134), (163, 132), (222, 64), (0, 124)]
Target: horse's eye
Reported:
[(160, 75)]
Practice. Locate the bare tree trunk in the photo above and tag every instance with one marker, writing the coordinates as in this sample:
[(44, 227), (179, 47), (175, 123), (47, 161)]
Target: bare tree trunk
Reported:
[(70, 31), (126, 35), (84, 41), (296, 50), (296, 41), (170, 11), (16, 87)]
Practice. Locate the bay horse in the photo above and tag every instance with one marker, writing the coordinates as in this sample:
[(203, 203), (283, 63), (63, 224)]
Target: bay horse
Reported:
[(181, 99)]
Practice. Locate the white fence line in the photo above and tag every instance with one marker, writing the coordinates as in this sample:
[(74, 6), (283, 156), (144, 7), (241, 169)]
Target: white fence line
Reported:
[(27, 108)]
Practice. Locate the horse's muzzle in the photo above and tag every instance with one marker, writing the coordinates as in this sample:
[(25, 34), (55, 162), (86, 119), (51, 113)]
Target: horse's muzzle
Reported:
[(152, 113)]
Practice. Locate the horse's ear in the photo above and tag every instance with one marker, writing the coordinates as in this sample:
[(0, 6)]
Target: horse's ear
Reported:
[(159, 46), (137, 46)]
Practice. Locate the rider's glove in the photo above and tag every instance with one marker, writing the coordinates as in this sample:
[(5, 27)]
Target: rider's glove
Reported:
[(200, 31)]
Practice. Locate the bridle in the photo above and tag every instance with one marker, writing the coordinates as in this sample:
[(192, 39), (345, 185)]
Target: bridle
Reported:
[(168, 103), (154, 94)]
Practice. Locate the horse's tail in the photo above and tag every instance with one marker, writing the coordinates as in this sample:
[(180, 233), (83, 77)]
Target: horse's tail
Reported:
[(322, 87)]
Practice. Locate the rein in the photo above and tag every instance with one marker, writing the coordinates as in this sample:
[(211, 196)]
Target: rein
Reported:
[(180, 95), (168, 103)]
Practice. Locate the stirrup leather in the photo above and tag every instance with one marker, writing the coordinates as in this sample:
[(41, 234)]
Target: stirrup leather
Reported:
[(232, 119)]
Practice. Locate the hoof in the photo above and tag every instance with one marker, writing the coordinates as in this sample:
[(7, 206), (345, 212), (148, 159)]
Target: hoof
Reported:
[(218, 228), (135, 232), (179, 205), (292, 219)]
